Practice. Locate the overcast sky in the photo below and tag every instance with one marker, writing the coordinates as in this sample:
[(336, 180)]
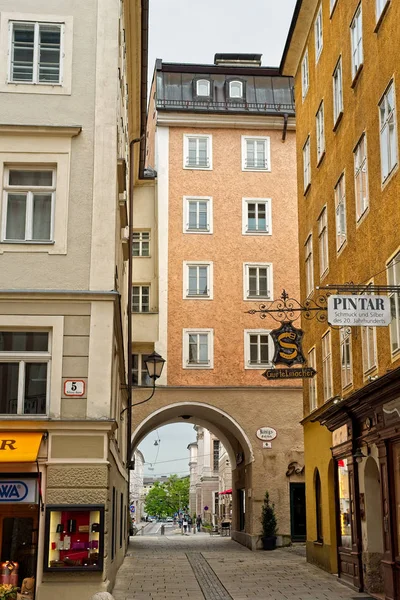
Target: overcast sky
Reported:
[(192, 31)]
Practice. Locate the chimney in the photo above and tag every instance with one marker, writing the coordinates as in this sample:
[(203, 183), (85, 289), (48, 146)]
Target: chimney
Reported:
[(238, 60)]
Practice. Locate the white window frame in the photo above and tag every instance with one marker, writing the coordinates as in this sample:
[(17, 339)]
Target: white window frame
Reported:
[(236, 82), (305, 75), (141, 241), (340, 212), (385, 145), (258, 365), (309, 265), (210, 276), (246, 281), (35, 66), (268, 216), (337, 83), (346, 357), (326, 345), (380, 6), (356, 37), (307, 163), (65, 85), (370, 363), (23, 358), (394, 326), (186, 137), (201, 82), (141, 286), (141, 368), (29, 191), (318, 33), (360, 167), (332, 5), (323, 243), (312, 382), (259, 138), (320, 131), (210, 348), (209, 205)]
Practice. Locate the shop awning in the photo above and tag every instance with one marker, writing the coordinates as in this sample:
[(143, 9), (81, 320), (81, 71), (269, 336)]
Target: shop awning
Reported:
[(18, 446), (225, 492)]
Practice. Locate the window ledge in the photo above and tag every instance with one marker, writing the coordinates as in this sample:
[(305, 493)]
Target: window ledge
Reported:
[(357, 76), (56, 130), (257, 233), (333, 9), (389, 176), (27, 243), (307, 189), (362, 217), (318, 542), (341, 248), (321, 158), (338, 121), (382, 16)]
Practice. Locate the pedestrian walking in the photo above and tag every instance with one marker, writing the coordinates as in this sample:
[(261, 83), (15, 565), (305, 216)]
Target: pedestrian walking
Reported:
[(185, 524), (198, 522), (189, 520)]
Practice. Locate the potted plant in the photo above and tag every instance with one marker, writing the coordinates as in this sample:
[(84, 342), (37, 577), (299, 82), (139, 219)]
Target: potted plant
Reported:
[(269, 524), (8, 591)]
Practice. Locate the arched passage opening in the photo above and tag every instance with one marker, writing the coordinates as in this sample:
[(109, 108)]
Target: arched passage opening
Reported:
[(233, 438)]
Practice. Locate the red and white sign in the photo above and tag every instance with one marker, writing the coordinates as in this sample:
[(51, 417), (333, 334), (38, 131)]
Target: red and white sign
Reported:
[(74, 387)]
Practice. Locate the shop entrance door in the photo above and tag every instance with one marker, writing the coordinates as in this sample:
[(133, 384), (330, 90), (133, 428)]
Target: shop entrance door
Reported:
[(298, 512)]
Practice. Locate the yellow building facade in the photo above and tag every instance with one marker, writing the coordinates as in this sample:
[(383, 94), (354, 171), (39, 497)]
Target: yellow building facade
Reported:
[(343, 55)]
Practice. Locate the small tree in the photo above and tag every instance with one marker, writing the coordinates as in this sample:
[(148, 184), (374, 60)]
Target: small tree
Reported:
[(268, 518)]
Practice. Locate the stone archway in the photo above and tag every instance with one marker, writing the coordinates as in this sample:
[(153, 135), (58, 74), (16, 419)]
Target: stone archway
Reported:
[(234, 422)]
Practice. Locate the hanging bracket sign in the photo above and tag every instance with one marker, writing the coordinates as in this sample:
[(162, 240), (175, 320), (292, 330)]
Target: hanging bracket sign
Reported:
[(359, 310)]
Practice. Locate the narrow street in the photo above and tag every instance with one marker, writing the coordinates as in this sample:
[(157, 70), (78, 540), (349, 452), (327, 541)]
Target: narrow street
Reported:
[(204, 567)]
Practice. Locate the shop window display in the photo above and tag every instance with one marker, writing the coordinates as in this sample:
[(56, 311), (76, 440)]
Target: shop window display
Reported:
[(74, 538), (344, 504)]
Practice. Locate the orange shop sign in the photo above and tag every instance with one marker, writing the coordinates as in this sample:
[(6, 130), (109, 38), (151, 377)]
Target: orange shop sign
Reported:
[(18, 446)]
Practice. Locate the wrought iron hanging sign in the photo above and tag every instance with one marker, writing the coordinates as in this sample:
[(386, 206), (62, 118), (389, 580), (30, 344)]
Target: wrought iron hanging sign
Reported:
[(287, 340)]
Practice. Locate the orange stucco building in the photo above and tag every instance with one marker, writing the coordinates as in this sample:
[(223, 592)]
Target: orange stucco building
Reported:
[(221, 145)]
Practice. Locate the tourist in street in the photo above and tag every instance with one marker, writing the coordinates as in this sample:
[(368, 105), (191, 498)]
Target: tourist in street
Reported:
[(189, 520), (198, 522), (185, 524)]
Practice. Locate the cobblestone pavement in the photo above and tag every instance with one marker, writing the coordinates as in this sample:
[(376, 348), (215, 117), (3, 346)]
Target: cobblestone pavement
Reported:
[(201, 567)]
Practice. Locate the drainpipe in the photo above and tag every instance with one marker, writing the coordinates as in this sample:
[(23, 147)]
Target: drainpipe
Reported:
[(285, 124)]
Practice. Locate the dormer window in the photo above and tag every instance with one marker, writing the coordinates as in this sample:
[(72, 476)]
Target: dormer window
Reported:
[(203, 87), (235, 89)]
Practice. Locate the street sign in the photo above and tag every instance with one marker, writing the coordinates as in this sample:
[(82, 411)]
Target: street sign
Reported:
[(364, 310), (267, 434), (299, 373)]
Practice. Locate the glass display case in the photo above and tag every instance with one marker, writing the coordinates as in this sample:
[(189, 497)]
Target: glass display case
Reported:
[(74, 538)]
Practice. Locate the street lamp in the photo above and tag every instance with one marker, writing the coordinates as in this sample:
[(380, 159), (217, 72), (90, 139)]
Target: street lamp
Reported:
[(154, 365)]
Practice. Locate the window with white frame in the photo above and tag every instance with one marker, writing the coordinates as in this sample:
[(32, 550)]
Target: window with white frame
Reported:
[(337, 91), (255, 153), (235, 89), (24, 372), (259, 348), (203, 87), (332, 5), (141, 298), (323, 242), (368, 342), (197, 280), (356, 42), (320, 129), (340, 211), (29, 196), (361, 177), (197, 215), (141, 243), (306, 164), (318, 34), (197, 152), (36, 52), (308, 246), (327, 365), (258, 281), (380, 5), (312, 382), (393, 270), (305, 81), (256, 215), (388, 132), (140, 375), (346, 358), (198, 349)]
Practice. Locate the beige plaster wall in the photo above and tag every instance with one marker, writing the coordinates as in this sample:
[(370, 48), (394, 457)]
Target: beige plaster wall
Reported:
[(228, 249)]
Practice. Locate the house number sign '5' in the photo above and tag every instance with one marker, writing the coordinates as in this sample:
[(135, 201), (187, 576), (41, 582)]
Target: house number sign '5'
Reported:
[(75, 387)]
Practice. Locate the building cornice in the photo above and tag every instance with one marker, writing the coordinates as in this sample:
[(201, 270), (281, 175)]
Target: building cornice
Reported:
[(77, 295), (297, 37), (179, 119), (47, 130), (63, 425)]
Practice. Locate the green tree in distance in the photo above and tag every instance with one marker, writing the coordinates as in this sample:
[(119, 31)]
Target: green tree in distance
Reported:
[(166, 498)]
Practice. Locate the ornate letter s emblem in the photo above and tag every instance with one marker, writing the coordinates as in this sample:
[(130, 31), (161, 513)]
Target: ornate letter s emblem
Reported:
[(287, 340)]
